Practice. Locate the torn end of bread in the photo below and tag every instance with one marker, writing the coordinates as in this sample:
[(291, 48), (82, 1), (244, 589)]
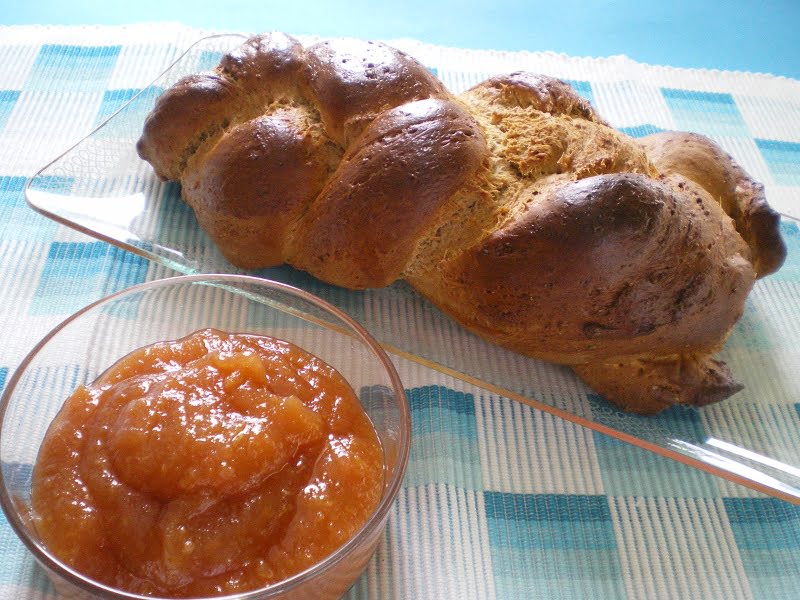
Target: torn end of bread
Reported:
[(651, 385)]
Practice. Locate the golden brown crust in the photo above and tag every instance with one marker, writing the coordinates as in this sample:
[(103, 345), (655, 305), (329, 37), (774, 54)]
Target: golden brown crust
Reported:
[(698, 158), (393, 183), (515, 208), (597, 246), (540, 92), (354, 81), (268, 169), (199, 108), (185, 115), (267, 63)]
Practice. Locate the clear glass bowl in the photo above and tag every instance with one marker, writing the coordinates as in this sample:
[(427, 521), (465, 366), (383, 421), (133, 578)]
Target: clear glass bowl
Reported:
[(102, 188), (90, 341)]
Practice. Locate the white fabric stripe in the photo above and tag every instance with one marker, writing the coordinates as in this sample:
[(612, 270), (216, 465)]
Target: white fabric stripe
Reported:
[(17, 62), (770, 118), (17, 592), (523, 450), (687, 544), (446, 551)]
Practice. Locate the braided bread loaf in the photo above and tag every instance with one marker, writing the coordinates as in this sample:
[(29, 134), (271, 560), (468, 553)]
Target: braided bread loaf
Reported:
[(514, 207)]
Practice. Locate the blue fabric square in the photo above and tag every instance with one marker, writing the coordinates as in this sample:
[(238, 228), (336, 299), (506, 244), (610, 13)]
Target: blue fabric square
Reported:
[(445, 433), (790, 271), (8, 98), (11, 190), (113, 100), (76, 273), (764, 523), (783, 160), (72, 68), (21, 222), (638, 131), (631, 471), (705, 112), (3, 376), (767, 533), (440, 409), (208, 60), (678, 421), (552, 545), (583, 88), (131, 117)]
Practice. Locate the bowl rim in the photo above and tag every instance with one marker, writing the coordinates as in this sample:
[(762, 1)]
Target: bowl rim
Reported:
[(376, 519)]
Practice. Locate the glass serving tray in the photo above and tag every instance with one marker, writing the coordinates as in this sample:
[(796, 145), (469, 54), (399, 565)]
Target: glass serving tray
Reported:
[(102, 188)]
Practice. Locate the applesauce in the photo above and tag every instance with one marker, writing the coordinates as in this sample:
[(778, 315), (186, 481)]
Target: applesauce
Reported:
[(211, 465)]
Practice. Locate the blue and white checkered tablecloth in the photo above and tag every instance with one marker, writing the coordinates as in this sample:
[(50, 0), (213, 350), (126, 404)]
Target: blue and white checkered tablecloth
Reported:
[(500, 500)]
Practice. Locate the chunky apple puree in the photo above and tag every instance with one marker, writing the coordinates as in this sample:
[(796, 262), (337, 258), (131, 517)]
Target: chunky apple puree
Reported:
[(210, 465)]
